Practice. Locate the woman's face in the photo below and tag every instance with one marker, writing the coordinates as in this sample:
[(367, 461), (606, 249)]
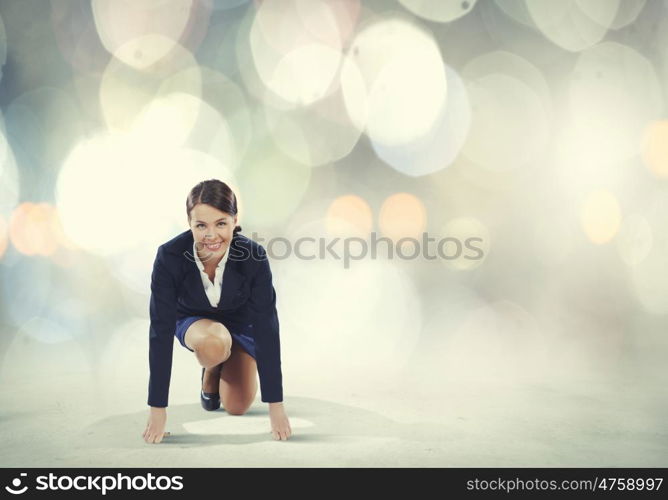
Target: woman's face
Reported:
[(212, 231)]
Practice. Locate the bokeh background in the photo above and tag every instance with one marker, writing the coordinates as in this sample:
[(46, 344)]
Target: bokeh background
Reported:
[(538, 126)]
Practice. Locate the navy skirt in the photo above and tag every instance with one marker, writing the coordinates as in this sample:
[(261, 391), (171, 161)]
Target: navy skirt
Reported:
[(246, 342)]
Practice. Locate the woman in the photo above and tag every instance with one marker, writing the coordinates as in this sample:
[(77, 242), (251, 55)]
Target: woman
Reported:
[(212, 288)]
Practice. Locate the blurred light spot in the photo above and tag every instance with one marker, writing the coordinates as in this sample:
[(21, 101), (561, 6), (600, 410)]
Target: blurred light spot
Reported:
[(9, 177), (76, 35), (64, 319), (441, 11), (614, 93), (509, 64), (394, 95), (317, 134), (223, 129), (516, 9), (133, 267), (623, 12), (571, 24), (3, 236), (168, 119), (296, 48), (292, 23), (27, 290), (510, 127), (634, 241), (43, 124), (271, 184), (655, 148), (439, 147), (627, 13), (33, 229), (252, 81), (402, 215), (349, 215), (224, 4), (346, 13), (217, 124), (100, 168), (600, 216), (123, 27), (465, 243), (124, 91), (45, 330)]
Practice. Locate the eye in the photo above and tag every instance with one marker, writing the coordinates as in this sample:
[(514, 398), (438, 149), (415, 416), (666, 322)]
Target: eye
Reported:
[(198, 225), (222, 223)]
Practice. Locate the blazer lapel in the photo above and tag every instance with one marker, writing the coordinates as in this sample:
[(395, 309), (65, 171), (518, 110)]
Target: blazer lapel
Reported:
[(192, 280), (231, 292)]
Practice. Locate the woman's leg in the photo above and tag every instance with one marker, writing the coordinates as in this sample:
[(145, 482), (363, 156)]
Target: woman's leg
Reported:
[(238, 381), (212, 344)]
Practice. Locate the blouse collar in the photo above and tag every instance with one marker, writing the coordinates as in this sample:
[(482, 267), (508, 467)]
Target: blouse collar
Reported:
[(199, 263)]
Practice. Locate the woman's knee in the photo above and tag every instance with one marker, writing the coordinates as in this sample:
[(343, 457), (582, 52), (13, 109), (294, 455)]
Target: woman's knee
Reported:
[(216, 343), (237, 407)]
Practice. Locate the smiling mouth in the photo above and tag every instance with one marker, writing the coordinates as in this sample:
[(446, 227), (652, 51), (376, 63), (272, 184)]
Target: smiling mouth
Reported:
[(213, 246)]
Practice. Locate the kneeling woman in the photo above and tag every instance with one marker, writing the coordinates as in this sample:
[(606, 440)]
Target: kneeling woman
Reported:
[(212, 288)]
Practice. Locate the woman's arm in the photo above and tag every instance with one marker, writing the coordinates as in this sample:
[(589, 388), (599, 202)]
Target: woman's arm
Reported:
[(262, 306), (161, 332)]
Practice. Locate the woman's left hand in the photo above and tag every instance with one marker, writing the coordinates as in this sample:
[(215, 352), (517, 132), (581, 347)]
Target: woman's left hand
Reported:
[(280, 425)]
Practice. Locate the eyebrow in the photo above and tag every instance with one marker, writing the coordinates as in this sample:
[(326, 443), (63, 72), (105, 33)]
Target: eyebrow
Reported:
[(222, 218)]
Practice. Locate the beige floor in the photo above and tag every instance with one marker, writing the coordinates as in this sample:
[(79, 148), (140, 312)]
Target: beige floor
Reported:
[(56, 414)]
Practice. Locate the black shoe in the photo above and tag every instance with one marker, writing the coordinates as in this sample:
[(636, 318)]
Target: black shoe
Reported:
[(210, 400)]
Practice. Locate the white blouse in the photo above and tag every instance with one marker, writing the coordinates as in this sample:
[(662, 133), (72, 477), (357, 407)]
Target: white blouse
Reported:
[(212, 289)]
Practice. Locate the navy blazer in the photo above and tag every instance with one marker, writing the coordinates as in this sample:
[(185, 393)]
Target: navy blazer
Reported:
[(247, 305)]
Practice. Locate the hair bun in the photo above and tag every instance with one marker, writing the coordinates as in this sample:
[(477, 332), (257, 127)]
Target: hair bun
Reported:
[(237, 230)]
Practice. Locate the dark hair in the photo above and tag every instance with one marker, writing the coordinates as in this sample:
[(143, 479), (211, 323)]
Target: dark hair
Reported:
[(215, 193)]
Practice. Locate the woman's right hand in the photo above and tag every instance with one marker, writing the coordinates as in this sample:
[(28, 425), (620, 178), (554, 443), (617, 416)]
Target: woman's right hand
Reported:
[(155, 427)]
